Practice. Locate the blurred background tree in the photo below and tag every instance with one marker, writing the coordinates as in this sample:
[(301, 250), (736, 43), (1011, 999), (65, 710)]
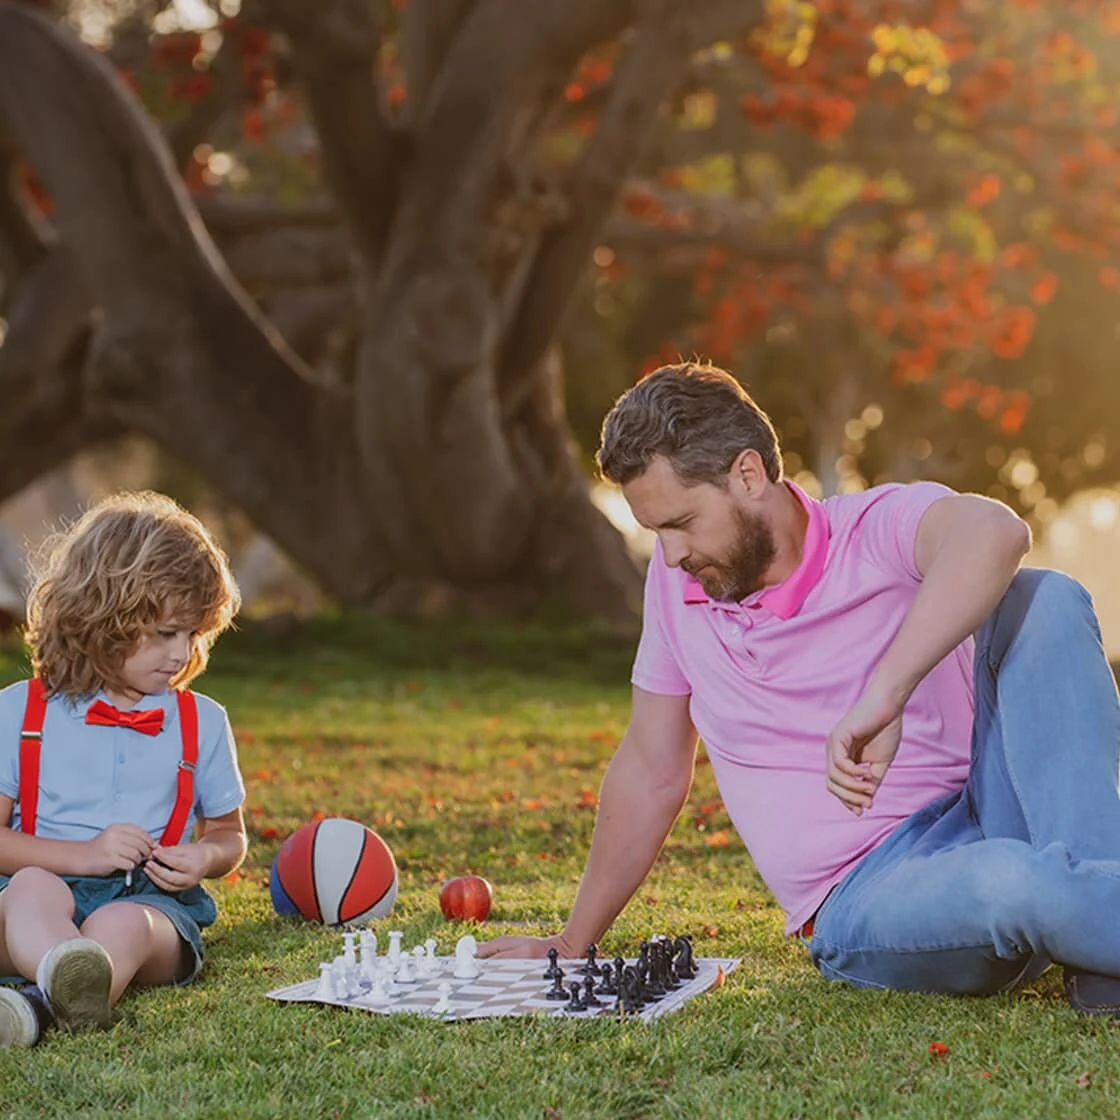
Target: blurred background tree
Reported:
[(365, 268)]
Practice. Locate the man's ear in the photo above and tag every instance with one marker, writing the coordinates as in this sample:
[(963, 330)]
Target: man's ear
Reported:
[(749, 471)]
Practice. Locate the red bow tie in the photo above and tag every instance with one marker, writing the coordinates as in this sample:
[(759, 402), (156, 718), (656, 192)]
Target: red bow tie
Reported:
[(149, 721)]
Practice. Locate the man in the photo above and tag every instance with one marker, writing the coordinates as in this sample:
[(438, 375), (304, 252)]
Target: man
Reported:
[(939, 810)]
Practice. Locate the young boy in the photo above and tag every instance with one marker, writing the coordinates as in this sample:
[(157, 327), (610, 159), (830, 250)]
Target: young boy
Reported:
[(107, 764)]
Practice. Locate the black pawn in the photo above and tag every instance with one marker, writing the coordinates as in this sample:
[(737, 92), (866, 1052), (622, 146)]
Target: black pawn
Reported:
[(553, 969), (574, 1001), (609, 984), (557, 990), (590, 999), (590, 968)]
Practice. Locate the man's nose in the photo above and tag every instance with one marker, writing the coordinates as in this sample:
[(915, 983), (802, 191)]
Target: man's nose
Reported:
[(674, 553)]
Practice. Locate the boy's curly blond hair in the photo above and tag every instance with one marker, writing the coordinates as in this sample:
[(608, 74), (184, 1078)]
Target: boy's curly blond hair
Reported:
[(130, 563)]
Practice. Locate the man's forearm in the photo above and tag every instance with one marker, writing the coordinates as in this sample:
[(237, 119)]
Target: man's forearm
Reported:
[(635, 816), (963, 584)]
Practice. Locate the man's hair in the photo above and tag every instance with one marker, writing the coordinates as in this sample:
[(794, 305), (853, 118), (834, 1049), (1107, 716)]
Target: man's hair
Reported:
[(696, 416), (129, 563)]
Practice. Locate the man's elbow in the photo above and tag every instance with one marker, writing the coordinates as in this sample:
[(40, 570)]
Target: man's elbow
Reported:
[(1014, 537)]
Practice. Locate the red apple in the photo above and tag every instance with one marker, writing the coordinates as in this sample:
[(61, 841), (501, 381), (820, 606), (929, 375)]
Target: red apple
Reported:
[(466, 899)]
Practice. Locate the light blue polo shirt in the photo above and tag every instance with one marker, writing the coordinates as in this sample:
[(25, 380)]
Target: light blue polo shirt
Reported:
[(92, 776)]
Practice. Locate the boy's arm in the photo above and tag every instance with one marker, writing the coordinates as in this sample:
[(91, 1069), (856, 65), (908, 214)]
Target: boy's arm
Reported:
[(117, 848), (219, 849), (643, 791)]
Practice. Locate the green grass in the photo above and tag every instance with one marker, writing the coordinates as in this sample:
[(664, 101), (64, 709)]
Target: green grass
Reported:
[(478, 749)]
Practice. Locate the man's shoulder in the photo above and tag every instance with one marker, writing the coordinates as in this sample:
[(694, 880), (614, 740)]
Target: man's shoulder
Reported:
[(845, 508)]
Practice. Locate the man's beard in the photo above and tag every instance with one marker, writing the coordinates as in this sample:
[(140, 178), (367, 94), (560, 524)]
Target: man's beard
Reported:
[(741, 574)]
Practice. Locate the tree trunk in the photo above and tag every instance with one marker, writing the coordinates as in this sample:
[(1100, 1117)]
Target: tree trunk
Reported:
[(447, 455)]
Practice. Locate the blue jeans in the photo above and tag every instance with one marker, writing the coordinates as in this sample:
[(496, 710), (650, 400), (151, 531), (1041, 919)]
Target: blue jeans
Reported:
[(1022, 867)]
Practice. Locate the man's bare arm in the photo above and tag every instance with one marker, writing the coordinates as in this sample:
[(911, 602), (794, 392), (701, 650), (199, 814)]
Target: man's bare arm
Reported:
[(643, 791), (968, 550)]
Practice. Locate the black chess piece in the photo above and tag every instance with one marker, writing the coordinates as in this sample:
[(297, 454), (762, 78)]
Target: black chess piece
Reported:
[(590, 999), (553, 968), (557, 990), (630, 991), (668, 977), (655, 981), (575, 1003), (608, 986), (590, 968), (683, 964)]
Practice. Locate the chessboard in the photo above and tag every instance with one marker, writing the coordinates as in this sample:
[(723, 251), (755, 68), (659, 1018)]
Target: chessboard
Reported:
[(508, 987)]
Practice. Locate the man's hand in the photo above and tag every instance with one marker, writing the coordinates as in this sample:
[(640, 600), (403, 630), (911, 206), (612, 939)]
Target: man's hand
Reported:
[(179, 867), (861, 747), (120, 847), (523, 948)]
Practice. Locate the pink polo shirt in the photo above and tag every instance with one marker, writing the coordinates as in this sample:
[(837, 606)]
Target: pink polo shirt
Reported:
[(770, 677)]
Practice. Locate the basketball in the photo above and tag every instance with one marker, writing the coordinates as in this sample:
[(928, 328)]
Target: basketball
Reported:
[(335, 871)]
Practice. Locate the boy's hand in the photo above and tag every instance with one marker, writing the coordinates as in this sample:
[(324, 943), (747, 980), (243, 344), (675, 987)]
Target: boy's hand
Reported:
[(120, 847), (178, 867)]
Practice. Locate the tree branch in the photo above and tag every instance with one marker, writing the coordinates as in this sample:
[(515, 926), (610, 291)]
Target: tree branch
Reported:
[(427, 30), (334, 46), (658, 59), (180, 353)]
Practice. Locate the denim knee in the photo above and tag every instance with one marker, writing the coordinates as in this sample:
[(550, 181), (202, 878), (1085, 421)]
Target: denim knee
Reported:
[(1040, 604)]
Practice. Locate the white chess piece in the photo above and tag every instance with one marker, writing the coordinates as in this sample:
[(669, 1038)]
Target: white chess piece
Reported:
[(466, 967), (405, 974), (395, 936), (348, 950), (444, 1002), (367, 941), (368, 969), (344, 977), (325, 990), (429, 963), (378, 995)]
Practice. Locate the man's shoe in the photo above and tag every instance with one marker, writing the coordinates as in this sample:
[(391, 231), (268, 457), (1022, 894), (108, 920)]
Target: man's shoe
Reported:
[(1092, 993), (19, 1024), (76, 977)]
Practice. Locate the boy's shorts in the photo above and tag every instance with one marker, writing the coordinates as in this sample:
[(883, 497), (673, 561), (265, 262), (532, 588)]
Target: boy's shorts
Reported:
[(189, 911)]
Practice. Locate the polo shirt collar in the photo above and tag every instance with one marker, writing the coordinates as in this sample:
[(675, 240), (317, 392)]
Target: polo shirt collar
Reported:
[(785, 599)]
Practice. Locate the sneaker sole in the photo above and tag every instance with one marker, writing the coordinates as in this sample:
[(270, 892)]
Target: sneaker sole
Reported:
[(78, 988), (19, 1026)]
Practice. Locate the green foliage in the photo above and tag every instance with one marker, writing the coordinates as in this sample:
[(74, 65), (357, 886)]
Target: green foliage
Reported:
[(473, 749)]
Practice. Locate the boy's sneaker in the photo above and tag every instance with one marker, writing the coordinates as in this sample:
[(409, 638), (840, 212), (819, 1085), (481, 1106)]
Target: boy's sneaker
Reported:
[(19, 1024), (76, 976)]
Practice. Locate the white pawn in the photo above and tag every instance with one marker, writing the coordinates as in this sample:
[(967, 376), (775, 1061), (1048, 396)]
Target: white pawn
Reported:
[(404, 973), (443, 1004), (325, 990), (378, 995), (348, 950), (466, 967), (429, 962)]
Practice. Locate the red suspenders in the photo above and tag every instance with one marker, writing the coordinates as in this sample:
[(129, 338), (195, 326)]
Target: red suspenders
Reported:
[(31, 739)]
